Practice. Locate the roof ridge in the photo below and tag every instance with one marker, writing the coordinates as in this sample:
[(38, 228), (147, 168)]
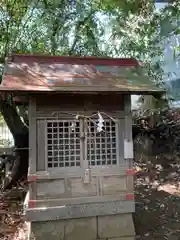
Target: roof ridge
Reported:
[(18, 57)]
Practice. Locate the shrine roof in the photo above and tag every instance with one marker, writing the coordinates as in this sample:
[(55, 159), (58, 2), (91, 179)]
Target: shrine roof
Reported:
[(39, 73)]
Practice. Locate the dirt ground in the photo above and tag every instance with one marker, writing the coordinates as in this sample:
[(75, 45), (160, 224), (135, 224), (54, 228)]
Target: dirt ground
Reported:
[(11, 215), (10, 219), (157, 214), (157, 202)]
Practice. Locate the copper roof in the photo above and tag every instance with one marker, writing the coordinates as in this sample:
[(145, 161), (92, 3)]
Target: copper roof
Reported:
[(38, 73)]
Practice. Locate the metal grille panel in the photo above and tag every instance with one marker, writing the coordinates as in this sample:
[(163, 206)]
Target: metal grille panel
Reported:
[(63, 143), (101, 147)]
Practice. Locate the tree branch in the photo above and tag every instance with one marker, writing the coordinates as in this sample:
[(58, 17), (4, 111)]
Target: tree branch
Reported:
[(78, 27)]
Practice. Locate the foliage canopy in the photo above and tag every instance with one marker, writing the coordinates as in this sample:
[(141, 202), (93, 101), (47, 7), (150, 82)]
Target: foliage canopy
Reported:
[(131, 28)]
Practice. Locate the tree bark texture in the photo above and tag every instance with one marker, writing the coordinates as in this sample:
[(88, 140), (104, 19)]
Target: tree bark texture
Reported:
[(20, 134)]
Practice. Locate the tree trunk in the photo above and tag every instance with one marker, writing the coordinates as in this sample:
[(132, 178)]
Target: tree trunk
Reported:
[(20, 134)]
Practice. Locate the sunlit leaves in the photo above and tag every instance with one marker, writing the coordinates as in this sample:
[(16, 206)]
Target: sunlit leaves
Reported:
[(114, 28)]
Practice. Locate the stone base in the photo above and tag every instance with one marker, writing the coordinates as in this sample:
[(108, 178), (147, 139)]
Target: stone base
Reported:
[(114, 227)]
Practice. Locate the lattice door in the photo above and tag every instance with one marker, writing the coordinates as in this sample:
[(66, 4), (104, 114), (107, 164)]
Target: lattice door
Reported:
[(63, 144), (78, 144), (101, 146)]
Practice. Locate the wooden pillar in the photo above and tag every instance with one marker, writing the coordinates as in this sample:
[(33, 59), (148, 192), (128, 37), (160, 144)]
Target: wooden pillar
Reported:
[(32, 149), (128, 141)]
